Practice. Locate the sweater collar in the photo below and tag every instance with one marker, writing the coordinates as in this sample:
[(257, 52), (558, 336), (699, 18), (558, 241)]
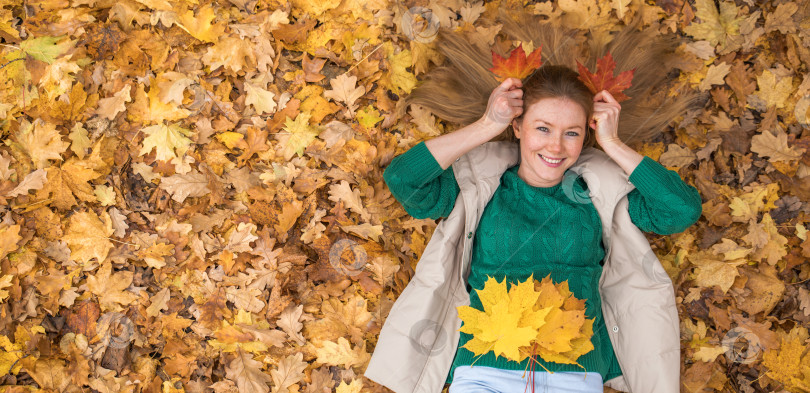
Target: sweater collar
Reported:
[(513, 180)]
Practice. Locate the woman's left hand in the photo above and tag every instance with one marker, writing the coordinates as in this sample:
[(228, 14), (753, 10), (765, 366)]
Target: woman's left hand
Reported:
[(605, 119)]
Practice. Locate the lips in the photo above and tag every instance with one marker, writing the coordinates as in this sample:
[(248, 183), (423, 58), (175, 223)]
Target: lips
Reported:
[(558, 160)]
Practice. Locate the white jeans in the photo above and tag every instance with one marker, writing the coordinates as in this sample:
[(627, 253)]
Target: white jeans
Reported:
[(483, 379)]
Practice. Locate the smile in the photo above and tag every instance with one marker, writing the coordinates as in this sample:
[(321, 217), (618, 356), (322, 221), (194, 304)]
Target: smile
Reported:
[(550, 161)]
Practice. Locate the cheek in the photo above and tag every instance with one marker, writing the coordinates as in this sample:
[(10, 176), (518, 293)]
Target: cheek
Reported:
[(527, 141), (574, 147)]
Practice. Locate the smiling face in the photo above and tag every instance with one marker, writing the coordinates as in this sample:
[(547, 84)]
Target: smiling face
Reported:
[(550, 129)]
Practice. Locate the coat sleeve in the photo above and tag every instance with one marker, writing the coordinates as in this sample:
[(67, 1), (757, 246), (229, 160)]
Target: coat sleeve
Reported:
[(420, 184), (662, 202)]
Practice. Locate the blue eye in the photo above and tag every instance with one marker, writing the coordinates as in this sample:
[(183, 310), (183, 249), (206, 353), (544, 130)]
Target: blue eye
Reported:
[(570, 133)]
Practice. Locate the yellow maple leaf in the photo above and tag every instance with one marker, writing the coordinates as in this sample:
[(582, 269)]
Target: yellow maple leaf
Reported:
[(231, 52), (313, 8), (230, 338), (398, 79), (154, 253), (711, 272), (368, 117), (5, 282), (790, 364), (41, 141), (88, 237), (7, 23), (773, 89), (57, 79), (79, 140), (111, 106), (261, 99), (318, 106), (747, 206), (68, 180), (200, 26), (770, 244), (111, 287), (169, 141), (9, 236), (230, 139), (355, 386), (531, 317), (149, 107), (345, 90), (10, 354), (718, 27), (105, 195), (341, 353), (299, 134)]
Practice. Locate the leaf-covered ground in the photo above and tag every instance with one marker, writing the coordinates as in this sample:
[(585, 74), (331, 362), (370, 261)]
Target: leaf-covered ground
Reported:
[(191, 194)]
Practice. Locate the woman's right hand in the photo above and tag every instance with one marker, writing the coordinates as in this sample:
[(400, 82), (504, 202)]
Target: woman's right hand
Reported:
[(505, 103)]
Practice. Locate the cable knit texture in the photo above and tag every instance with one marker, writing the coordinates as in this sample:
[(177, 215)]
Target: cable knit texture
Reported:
[(527, 230)]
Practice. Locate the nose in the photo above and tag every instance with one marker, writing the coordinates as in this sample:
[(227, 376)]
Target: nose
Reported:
[(554, 145)]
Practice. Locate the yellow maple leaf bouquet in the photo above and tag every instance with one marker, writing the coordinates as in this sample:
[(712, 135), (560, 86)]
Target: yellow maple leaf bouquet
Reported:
[(531, 318)]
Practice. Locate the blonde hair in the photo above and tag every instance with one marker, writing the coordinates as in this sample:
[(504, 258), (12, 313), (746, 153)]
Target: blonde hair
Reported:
[(458, 91)]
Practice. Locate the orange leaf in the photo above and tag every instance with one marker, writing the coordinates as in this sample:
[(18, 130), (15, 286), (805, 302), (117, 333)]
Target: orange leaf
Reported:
[(517, 65), (603, 79)]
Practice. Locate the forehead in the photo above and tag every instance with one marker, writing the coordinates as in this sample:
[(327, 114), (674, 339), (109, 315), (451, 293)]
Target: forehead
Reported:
[(559, 112)]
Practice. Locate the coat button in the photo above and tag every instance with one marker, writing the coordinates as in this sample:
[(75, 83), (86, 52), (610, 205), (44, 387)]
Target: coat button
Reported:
[(469, 235), (615, 329)]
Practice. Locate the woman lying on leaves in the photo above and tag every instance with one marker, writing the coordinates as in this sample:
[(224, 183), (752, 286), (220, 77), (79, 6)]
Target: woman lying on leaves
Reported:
[(552, 204)]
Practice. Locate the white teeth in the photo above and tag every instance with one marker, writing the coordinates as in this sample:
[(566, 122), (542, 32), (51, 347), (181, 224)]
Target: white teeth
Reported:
[(549, 160)]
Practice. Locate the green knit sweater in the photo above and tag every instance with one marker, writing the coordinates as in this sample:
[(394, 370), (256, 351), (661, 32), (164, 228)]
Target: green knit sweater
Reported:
[(528, 230)]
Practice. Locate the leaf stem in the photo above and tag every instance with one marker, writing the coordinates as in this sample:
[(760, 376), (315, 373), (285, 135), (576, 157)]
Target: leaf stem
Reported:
[(541, 365), (11, 61), (361, 60)]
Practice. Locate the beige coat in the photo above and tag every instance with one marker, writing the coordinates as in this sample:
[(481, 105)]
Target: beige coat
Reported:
[(419, 339)]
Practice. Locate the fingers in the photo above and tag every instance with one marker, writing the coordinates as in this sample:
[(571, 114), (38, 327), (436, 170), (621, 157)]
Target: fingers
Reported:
[(517, 93), (608, 97), (509, 84), (512, 83), (506, 101), (605, 97), (514, 98), (604, 102)]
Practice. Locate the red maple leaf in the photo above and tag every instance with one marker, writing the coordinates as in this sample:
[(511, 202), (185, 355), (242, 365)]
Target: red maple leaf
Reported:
[(517, 65), (603, 79)]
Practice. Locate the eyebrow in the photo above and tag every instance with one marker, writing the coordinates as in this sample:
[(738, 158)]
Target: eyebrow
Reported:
[(545, 122)]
